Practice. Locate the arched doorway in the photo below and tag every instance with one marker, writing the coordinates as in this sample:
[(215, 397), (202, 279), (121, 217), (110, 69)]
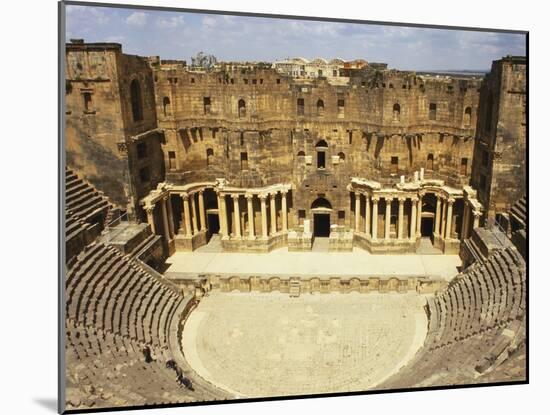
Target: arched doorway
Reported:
[(212, 213), (428, 215), (321, 209)]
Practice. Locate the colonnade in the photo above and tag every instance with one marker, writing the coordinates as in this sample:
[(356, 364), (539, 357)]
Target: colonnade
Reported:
[(193, 223), (443, 215), (167, 218), (252, 232)]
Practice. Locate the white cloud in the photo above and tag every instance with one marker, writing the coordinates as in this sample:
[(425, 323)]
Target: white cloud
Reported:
[(209, 21), (170, 23), (115, 39), (93, 15), (138, 19)]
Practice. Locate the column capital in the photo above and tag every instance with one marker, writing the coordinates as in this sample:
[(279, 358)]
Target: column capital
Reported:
[(421, 193), (184, 196), (165, 198), (389, 198), (248, 196), (200, 192), (262, 196), (450, 200), (375, 198), (149, 209), (414, 198), (477, 214), (235, 196), (401, 199)]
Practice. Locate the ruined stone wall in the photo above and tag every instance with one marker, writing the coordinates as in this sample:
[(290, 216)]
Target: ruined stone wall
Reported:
[(384, 115), (93, 133), (500, 154), (146, 165), (100, 124)]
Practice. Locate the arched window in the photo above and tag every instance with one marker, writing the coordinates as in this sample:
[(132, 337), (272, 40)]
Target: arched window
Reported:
[(430, 162), (320, 108), (166, 105), (396, 111), (242, 108), (321, 148), (321, 143), (300, 155), (467, 116), (341, 156), (209, 156), (135, 98), (321, 202)]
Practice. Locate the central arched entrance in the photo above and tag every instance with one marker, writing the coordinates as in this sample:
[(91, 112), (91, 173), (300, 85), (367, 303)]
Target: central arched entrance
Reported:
[(428, 216), (321, 210)]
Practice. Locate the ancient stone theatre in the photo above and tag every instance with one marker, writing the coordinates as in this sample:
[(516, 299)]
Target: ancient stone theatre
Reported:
[(253, 229)]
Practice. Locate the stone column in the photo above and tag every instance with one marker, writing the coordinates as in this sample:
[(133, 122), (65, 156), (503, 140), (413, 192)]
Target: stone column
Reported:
[(186, 215), (400, 218), (419, 215), (221, 215), (273, 213), (151, 218), (250, 216), (357, 211), (283, 211), (465, 220), (443, 218), (437, 214), (375, 200), (264, 216), (449, 218), (367, 215), (387, 222), (237, 215), (165, 220), (414, 201), (194, 214), (170, 217), (476, 219), (201, 210)]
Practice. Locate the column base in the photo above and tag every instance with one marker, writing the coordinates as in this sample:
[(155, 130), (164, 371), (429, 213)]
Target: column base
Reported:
[(190, 242)]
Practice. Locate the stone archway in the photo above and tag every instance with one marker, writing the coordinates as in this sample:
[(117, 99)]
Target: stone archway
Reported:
[(321, 210), (427, 224)]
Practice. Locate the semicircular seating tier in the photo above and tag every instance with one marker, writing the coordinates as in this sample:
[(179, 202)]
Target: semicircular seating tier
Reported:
[(123, 326), (476, 331), (86, 211)]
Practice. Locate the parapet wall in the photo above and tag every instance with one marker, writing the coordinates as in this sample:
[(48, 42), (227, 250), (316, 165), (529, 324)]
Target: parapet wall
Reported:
[(305, 285)]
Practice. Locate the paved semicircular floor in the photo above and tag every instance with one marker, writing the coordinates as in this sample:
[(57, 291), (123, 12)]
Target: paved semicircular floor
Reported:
[(268, 344)]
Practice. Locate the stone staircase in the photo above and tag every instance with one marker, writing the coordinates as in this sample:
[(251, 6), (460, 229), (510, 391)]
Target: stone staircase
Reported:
[(426, 248), (320, 244), (294, 287), (213, 245)]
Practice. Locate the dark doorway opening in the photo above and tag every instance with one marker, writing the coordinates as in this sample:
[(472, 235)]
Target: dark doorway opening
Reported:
[(427, 227), (321, 224), (213, 225), (320, 159)]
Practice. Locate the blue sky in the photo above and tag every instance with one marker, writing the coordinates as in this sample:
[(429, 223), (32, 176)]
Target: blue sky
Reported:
[(176, 35)]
